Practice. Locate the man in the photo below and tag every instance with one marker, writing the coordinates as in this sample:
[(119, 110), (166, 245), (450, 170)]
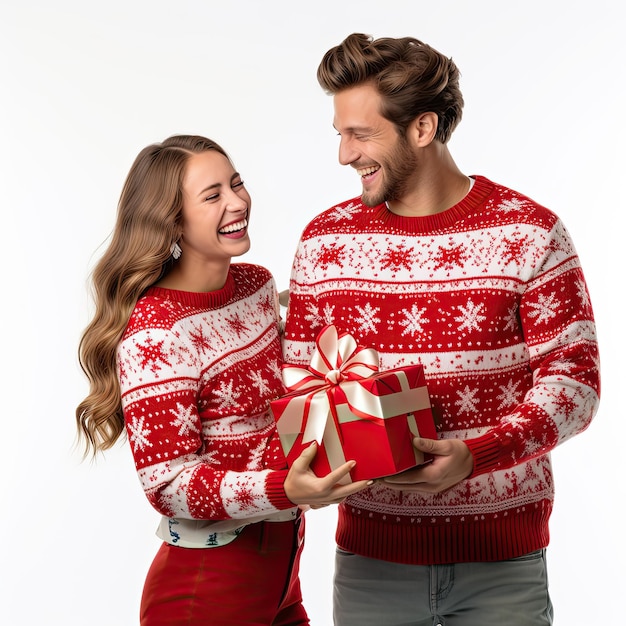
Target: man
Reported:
[(481, 285)]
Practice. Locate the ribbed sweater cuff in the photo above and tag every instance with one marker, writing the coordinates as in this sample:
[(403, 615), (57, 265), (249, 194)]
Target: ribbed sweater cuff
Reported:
[(486, 453), (276, 489)]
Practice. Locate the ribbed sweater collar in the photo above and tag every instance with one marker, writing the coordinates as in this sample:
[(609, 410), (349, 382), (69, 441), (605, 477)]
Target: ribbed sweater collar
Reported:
[(201, 300), (475, 199)]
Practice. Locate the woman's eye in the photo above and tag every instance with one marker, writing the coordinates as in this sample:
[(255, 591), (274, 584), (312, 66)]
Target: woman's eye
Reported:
[(238, 184), (211, 197)]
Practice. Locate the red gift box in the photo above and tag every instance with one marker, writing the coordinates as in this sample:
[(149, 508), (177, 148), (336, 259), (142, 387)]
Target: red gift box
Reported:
[(353, 411)]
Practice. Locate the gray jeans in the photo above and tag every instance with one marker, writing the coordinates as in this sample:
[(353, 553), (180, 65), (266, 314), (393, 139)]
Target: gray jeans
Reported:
[(369, 592)]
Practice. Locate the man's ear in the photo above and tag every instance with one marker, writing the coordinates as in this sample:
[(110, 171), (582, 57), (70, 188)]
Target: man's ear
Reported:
[(423, 129)]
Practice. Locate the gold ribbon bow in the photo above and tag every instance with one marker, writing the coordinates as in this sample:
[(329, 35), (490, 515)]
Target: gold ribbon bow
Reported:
[(335, 360)]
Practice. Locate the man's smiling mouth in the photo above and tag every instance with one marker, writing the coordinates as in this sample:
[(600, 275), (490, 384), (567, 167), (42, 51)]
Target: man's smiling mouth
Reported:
[(368, 170)]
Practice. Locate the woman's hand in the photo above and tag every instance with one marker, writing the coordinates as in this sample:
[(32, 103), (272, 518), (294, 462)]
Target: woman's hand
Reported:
[(302, 486)]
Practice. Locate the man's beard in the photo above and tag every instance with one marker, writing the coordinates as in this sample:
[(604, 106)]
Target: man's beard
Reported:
[(397, 168)]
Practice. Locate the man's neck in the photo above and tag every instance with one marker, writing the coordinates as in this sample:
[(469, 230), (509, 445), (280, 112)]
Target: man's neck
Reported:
[(438, 185)]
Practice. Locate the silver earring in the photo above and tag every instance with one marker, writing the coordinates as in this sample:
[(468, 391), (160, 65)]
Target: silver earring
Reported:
[(176, 250)]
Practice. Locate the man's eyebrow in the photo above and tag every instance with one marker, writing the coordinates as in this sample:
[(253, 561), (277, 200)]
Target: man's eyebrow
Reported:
[(355, 129)]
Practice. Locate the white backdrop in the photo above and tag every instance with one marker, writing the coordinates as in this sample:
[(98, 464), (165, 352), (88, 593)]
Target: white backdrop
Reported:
[(85, 86)]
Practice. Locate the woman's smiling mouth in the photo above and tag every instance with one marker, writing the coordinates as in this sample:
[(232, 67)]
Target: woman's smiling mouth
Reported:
[(233, 228)]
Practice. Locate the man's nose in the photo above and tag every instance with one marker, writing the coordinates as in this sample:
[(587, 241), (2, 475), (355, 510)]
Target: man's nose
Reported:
[(347, 152)]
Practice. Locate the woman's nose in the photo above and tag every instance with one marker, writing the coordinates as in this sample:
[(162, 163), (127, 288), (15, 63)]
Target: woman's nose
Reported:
[(236, 203)]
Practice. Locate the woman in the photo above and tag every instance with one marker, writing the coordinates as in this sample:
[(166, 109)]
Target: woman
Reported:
[(183, 353)]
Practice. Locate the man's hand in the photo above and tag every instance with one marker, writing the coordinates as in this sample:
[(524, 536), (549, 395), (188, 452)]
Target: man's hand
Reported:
[(452, 462), (302, 486)]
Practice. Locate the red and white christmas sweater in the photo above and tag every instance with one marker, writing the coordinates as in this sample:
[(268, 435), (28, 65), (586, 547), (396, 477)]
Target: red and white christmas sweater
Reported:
[(197, 372), (490, 298)]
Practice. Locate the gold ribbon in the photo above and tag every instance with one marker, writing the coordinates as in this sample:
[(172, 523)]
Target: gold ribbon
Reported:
[(335, 359)]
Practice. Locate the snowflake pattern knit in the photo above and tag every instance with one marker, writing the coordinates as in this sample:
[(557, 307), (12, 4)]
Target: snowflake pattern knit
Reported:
[(197, 372), (490, 297)]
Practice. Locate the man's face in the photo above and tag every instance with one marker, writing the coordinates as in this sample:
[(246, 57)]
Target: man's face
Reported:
[(370, 144)]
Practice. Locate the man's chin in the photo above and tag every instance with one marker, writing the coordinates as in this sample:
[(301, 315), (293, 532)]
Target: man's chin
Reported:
[(371, 200)]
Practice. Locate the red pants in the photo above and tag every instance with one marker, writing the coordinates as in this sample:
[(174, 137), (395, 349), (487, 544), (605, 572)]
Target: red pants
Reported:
[(252, 581)]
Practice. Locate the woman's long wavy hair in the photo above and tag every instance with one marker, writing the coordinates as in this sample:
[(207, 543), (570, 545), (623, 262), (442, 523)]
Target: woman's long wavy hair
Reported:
[(411, 77), (149, 222)]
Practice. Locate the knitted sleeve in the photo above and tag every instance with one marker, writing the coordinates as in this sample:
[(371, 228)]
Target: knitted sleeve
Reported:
[(557, 322), (199, 458)]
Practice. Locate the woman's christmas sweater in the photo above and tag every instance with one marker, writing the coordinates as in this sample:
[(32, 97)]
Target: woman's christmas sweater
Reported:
[(197, 372), (490, 298)]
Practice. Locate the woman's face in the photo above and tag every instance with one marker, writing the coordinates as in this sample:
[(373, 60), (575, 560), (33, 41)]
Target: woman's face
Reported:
[(216, 210)]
